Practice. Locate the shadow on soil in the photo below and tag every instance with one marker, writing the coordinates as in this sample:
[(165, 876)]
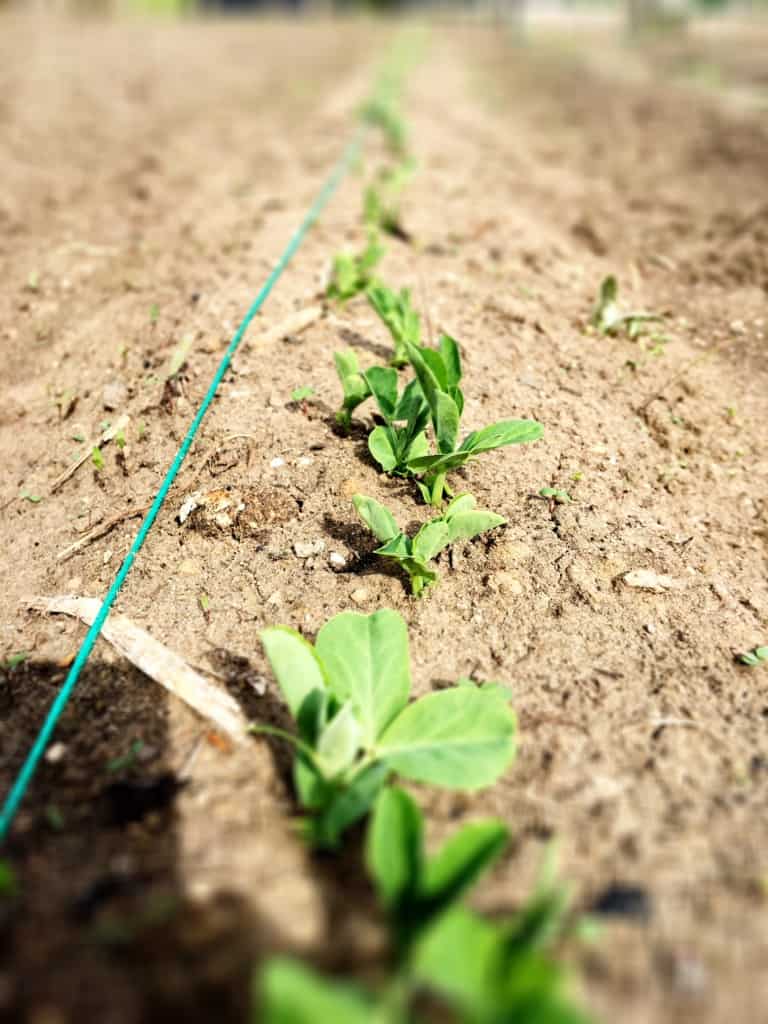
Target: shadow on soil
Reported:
[(101, 927)]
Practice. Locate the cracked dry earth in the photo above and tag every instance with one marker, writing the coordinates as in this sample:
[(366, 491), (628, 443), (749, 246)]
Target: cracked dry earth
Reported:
[(150, 178)]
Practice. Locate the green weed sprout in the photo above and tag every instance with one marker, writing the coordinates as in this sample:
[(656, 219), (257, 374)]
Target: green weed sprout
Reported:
[(474, 969), (556, 494), (607, 318), (354, 274), (353, 385), (758, 656), (400, 318), (461, 520), (439, 373), (392, 446), (349, 696)]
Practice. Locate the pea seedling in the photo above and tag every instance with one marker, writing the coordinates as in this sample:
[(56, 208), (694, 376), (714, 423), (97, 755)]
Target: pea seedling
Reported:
[(393, 446), (461, 520), (475, 970), (353, 385), (354, 274), (439, 372), (381, 200), (400, 317), (348, 695), (607, 318)]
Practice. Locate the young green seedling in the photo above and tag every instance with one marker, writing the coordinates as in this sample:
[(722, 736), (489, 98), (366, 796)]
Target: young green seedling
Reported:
[(473, 969), (392, 446), (461, 520), (348, 695), (353, 274), (758, 656), (353, 385), (381, 200), (556, 495), (439, 373), (607, 318), (381, 111), (400, 317)]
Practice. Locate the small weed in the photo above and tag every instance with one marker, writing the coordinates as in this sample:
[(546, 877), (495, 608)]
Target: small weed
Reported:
[(758, 656), (125, 761), (555, 494), (607, 318), (15, 660), (302, 394), (97, 459), (154, 313), (35, 499)]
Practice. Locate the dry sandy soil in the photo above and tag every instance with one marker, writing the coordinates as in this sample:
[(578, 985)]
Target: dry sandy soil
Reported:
[(149, 177)]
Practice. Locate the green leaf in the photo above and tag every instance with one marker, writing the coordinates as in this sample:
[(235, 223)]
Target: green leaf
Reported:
[(380, 447), (291, 993), (366, 660), (394, 847), (431, 539), (410, 401), (462, 859), (339, 743), (503, 433), (382, 381), (754, 657), (446, 418), (459, 738), (459, 957), (302, 393), (296, 665), (376, 517), (466, 525), (449, 351)]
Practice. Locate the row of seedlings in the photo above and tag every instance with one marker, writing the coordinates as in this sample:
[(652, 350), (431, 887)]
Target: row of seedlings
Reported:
[(356, 728)]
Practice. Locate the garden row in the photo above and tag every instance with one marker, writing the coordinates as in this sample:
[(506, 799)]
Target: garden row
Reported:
[(356, 728)]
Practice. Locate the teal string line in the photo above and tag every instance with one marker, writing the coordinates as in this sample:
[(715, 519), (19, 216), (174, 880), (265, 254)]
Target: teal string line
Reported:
[(29, 767)]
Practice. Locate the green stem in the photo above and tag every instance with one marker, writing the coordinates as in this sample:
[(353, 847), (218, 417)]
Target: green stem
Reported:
[(283, 734)]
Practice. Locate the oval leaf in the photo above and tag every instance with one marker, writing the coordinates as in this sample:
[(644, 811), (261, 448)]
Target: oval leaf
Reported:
[(497, 435), (380, 448), (394, 847), (460, 738), (295, 663), (376, 517), (366, 661)]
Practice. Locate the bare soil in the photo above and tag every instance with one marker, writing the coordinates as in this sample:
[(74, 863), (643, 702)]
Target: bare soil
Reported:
[(150, 177)]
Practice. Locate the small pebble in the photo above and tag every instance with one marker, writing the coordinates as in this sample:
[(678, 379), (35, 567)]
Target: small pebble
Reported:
[(114, 396), (359, 596), (277, 462), (337, 561), (308, 548), (56, 753), (649, 628)]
